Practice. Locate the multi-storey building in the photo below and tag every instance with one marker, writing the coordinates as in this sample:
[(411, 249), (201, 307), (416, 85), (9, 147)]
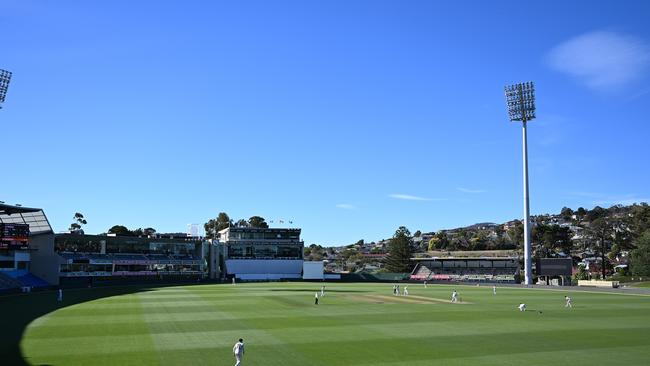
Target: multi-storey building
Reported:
[(261, 253), (25, 245), (97, 258)]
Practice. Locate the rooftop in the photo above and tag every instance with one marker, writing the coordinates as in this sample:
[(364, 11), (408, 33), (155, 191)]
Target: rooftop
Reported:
[(257, 229), (34, 217)]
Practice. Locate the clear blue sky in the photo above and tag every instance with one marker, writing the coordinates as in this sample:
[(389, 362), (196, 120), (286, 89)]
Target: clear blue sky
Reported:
[(349, 118)]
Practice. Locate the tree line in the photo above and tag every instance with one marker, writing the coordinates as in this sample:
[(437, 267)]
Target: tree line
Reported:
[(223, 221), (606, 233)]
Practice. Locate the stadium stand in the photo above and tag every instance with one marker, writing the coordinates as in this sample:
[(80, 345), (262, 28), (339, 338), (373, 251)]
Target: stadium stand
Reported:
[(465, 269), (30, 280), (98, 259), (7, 282)]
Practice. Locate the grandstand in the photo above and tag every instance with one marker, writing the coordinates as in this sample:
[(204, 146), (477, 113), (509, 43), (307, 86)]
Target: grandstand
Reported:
[(25, 236), (92, 258), (261, 253), (483, 269)]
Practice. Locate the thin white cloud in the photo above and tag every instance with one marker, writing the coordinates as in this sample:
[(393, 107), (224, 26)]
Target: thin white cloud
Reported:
[(620, 201), (467, 190), (408, 197), (602, 60), (346, 206)]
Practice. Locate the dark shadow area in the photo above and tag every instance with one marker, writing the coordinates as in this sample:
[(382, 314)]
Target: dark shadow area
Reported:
[(18, 311)]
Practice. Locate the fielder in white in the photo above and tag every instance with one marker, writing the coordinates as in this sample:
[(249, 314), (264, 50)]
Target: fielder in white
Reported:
[(59, 296), (568, 302), (494, 289), (522, 307), (454, 296), (238, 351), (406, 290)]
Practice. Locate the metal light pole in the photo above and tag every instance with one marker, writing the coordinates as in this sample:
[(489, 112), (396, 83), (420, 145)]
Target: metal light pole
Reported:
[(520, 99), (5, 78)]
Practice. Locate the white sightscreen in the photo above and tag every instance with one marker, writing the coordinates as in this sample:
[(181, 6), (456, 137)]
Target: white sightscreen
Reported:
[(312, 270)]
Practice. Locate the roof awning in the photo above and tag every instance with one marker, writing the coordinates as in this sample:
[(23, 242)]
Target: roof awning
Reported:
[(34, 217)]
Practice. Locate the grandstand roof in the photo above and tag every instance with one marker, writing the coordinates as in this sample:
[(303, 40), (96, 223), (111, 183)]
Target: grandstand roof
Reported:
[(34, 217), (465, 259), (258, 229)]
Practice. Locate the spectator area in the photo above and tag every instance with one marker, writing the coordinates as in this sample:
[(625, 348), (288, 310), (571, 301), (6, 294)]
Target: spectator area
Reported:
[(469, 269)]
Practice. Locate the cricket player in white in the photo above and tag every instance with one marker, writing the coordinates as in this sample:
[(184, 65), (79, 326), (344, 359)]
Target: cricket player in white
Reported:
[(454, 296), (238, 351), (522, 307), (568, 302), (406, 290), (494, 289), (59, 297), (322, 291)]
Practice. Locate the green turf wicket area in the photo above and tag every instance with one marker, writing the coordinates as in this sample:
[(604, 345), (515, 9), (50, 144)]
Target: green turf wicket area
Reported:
[(354, 324)]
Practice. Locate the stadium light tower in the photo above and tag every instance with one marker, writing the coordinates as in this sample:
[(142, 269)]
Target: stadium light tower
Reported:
[(5, 78), (520, 99)]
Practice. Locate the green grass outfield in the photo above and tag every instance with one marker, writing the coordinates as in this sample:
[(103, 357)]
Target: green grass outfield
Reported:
[(641, 284), (355, 324)]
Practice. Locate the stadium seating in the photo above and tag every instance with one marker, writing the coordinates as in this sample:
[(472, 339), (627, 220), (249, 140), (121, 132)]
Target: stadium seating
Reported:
[(29, 280), (471, 274), (7, 282)]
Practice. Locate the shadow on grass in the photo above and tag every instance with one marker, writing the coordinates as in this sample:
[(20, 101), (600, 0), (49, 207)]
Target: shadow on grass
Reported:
[(18, 311)]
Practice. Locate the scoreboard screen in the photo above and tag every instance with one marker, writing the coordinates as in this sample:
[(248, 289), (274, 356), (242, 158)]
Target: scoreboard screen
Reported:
[(554, 266), (14, 236)]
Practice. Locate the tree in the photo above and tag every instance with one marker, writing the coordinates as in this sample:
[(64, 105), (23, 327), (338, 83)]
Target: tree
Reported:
[(566, 213), (516, 234), (241, 223), (600, 230), (551, 239), (581, 274), (439, 241), (596, 213), (258, 221), (149, 231), (639, 219), (640, 257), (120, 230), (479, 241), (580, 215), (398, 258), (417, 234), (214, 225), (78, 221)]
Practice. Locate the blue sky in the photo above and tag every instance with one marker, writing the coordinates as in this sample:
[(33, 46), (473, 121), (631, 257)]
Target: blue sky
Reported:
[(349, 118)]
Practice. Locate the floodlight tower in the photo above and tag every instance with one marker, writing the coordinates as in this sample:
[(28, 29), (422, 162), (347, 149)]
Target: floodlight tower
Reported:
[(520, 99), (5, 78)]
